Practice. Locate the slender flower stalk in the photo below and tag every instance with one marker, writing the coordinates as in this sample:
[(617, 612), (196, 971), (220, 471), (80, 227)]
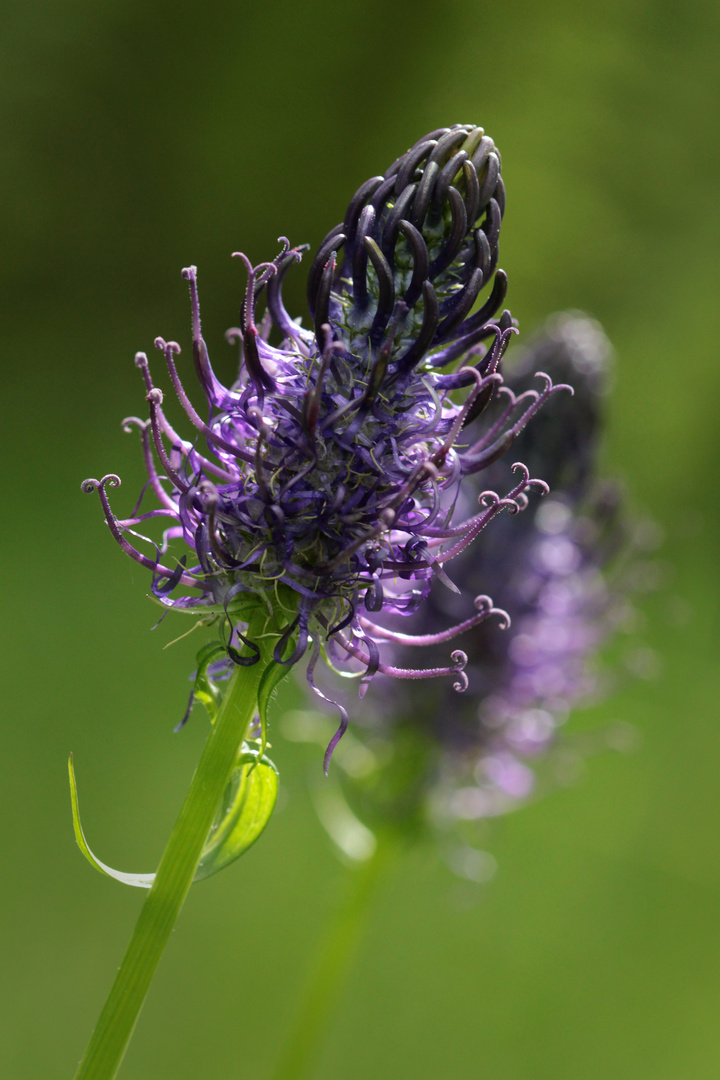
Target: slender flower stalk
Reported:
[(334, 959)]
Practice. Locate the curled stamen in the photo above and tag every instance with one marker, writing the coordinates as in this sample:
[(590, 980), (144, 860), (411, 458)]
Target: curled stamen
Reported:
[(481, 384), (91, 484), (163, 498), (154, 399), (299, 623), (174, 579), (112, 480), (494, 505), (474, 460), (141, 362), (133, 421), (170, 350), (526, 481), (258, 276), (459, 660), (485, 610), (200, 354)]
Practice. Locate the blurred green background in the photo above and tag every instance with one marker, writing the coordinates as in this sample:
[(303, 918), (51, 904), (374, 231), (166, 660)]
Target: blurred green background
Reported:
[(139, 137)]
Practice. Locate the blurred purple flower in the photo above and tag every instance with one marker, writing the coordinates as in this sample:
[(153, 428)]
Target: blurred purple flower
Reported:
[(548, 571), (326, 478)]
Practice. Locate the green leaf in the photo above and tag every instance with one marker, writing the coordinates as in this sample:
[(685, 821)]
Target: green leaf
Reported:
[(247, 805), (245, 810)]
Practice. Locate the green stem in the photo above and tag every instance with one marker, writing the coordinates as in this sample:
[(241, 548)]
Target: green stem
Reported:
[(176, 871), (332, 965)]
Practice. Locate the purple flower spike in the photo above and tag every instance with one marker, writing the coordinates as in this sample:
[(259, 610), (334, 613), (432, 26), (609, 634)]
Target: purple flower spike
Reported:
[(326, 478), (549, 575)]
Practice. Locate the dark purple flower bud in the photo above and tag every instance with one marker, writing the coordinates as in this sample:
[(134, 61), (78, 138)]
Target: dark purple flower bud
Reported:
[(326, 478), (401, 274)]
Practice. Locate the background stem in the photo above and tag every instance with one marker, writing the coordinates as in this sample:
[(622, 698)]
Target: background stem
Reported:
[(176, 871), (332, 965)]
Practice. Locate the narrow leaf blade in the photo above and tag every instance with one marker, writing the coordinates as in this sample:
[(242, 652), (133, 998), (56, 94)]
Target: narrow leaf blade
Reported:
[(139, 881)]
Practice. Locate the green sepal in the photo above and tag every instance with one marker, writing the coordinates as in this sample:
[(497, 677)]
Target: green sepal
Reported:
[(272, 676), (246, 808)]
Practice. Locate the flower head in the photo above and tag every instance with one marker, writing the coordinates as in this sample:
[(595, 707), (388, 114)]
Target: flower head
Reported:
[(325, 479)]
